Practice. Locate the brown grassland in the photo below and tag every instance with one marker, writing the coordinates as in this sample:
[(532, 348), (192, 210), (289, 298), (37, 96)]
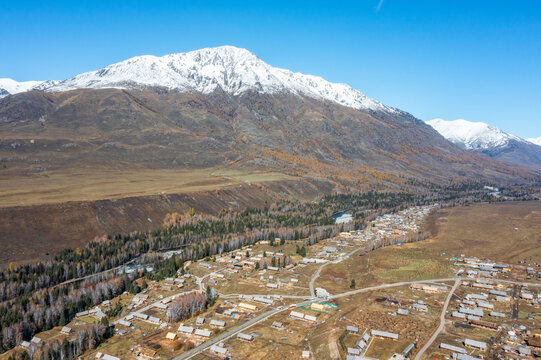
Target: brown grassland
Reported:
[(506, 232), (108, 183)]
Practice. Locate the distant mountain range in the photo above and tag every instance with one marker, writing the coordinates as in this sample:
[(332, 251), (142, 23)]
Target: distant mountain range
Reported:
[(10, 87), (226, 107), (490, 140)]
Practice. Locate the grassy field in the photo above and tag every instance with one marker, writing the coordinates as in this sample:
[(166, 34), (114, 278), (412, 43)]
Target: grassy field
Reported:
[(505, 232), (409, 262), (96, 184)]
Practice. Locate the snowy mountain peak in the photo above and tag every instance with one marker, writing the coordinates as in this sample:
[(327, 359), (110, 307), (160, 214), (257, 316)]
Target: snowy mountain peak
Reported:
[(472, 135), (229, 68), (536, 141), (10, 86)]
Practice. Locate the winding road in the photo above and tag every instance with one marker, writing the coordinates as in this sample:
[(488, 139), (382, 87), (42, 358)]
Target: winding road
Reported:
[(316, 275)]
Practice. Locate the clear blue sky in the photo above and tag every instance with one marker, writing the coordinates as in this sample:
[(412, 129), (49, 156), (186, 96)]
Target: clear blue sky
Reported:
[(477, 60)]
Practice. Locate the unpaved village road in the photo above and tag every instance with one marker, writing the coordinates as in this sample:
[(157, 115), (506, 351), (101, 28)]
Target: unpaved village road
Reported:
[(230, 333), (318, 272), (226, 335), (266, 315), (442, 321)]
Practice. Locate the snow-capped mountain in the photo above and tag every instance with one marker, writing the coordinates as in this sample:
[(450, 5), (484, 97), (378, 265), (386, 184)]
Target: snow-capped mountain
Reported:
[(536, 141), (10, 86), (234, 70), (472, 135), (44, 85), (490, 140)]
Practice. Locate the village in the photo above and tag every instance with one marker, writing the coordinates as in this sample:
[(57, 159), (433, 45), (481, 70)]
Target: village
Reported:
[(272, 301)]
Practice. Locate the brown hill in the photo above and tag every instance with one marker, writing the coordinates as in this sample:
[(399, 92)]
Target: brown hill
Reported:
[(86, 162), (157, 129), (37, 232)]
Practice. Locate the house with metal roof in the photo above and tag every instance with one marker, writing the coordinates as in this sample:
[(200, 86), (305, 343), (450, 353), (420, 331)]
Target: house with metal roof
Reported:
[(384, 334), (479, 345)]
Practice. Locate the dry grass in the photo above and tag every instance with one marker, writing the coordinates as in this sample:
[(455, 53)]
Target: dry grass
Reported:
[(88, 184), (505, 232), (409, 262)]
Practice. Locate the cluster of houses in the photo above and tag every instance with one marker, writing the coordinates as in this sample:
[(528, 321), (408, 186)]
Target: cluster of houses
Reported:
[(178, 282), (461, 353), (266, 300), (240, 261), (520, 341), (96, 313), (357, 352), (479, 268), (394, 227), (34, 343), (428, 288), (196, 331), (480, 310), (473, 308), (138, 300), (142, 317), (297, 315), (532, 272)]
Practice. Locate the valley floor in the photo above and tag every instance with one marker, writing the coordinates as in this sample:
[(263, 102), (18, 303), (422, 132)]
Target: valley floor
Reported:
[(307, 307)]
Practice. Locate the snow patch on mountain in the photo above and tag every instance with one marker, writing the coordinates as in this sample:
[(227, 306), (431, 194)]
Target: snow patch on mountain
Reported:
[(472, 135), (536, 141), (231, 69), (14, 87), (10, 86)]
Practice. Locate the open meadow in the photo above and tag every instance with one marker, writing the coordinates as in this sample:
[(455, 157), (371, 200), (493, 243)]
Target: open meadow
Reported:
[(507, 232), (90, 184)]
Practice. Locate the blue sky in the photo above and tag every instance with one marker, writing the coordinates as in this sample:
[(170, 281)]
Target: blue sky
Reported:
[(477, 60)]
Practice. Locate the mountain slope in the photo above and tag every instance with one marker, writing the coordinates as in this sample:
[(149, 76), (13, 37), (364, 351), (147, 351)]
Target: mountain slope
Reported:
[(112, 128), (227, 68), (225, 108), (490, 140)]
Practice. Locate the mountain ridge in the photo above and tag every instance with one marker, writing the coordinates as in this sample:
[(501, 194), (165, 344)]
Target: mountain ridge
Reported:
[(10, 87), (472, 135), (483, 138), (231, 69), (226, 107)]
